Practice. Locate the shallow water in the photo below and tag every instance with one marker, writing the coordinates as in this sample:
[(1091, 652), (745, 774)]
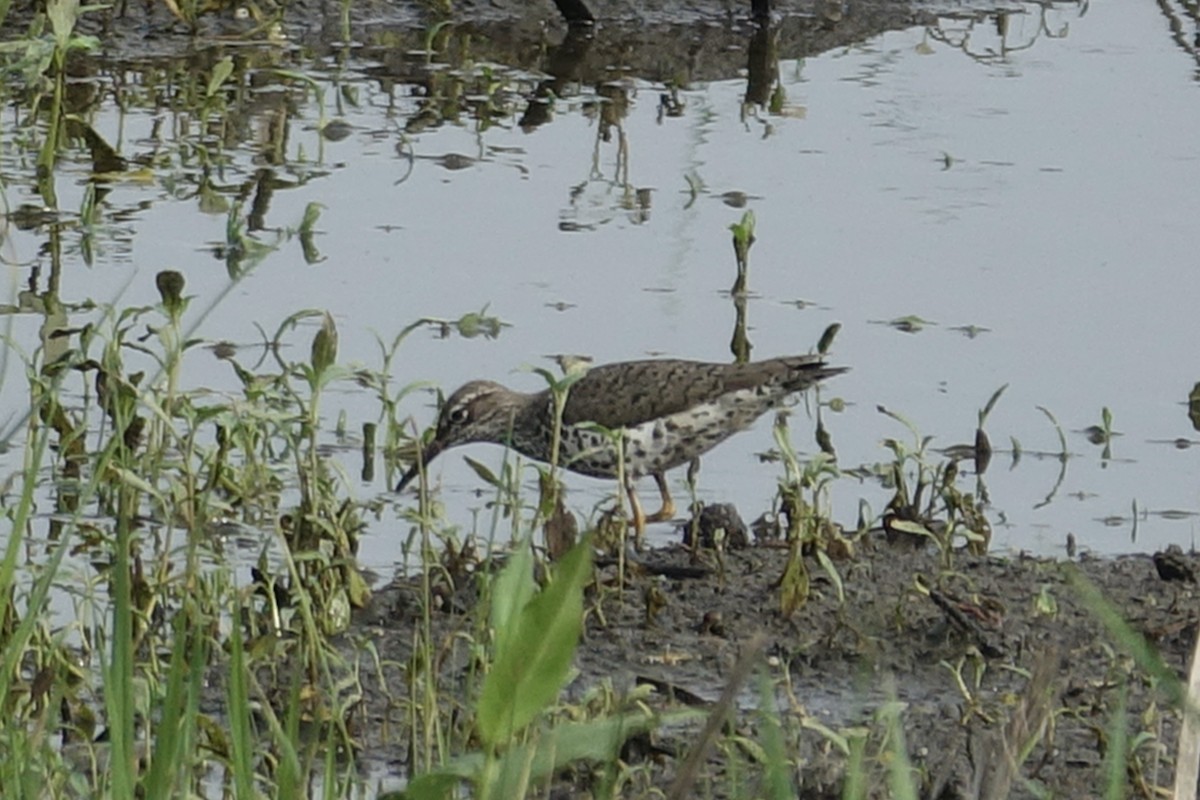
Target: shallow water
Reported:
[(1040, 186)]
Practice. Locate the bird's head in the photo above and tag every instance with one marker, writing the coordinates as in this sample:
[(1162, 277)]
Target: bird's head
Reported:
[(480, 411)]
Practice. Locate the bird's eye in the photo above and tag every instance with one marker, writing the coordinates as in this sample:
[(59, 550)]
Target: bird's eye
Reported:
[(459, 415)]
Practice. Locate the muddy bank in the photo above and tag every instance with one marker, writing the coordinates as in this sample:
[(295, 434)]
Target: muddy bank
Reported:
[(989, 654), (669, 42)]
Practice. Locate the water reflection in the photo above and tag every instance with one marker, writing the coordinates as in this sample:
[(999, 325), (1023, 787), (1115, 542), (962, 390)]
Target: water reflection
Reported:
[(614, 136)]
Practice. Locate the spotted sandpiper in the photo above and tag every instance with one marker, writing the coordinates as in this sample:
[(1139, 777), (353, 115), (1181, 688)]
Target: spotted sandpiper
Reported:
[(667, 412)]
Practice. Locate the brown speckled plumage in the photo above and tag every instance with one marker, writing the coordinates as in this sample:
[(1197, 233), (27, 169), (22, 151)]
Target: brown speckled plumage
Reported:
[(668, 412)]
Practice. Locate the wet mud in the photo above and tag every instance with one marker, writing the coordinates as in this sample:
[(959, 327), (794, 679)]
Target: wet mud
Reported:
[(985, 655)]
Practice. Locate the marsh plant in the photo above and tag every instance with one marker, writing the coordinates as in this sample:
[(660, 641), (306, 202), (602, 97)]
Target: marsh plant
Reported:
[(805, 504), (176, 673), (180, 668), (40, 59), (927, 502), (144, 476), (534, 634)]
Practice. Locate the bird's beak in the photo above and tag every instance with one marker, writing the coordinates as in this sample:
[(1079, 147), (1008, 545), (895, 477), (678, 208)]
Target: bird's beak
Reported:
[(430, 452)]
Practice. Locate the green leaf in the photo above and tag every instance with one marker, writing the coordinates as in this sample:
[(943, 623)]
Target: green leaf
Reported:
[(511, 591), (312, 212), (909, 323), (903, 420), (991, 403), (480, 323), (483, 471), (358, 589), (83, 42), (794, 585), (827, 338), (63, 15), (221, 72), (832, 571), (778, 98), (839, 740), (1045, 604), (546, 753), (743, 230), (434, 786), (325, 345), (137, 482), (598, 741), (909, 526), (308, 246), (534, 659)]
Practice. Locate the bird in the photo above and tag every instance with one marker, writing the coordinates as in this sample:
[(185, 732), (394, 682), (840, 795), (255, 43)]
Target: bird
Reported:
[(666, 412)]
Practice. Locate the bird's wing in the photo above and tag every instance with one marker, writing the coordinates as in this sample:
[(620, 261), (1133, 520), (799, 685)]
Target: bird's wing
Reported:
[(628, 394)]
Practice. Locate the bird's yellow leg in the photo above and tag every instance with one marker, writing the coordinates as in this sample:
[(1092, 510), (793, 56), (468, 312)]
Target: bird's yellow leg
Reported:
[(668, 505), (637, 519)]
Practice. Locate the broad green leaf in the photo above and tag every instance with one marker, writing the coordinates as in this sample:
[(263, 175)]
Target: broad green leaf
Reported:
[(325, 345), (312, 212), (598, 741), (433, 786), (546, 753), (221, 72), (62, 15), (909, 526), (511, 591), (533, 661)]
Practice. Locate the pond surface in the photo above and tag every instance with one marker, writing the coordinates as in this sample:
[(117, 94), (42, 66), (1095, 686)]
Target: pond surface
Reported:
[(1024, 184)]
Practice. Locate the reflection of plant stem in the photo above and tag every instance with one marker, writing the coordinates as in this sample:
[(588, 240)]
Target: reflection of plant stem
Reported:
[(1106, 430), (740, 344), (1063, 455), (47, 156), (983, 445), (743, 240), (961, 40)]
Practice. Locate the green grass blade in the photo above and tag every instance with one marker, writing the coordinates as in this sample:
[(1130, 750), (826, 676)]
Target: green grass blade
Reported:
[(241, 739), (177, 723), (118, 688)]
